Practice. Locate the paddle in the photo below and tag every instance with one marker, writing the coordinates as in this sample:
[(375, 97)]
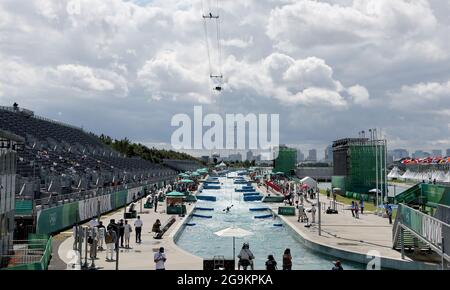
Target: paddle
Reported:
[(228, 208)]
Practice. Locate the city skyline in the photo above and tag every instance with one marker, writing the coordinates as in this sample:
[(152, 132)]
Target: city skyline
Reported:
[(141, 62)]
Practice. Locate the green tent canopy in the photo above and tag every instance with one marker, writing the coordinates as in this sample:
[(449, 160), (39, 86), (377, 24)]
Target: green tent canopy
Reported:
[(186, 181), (175, 194)]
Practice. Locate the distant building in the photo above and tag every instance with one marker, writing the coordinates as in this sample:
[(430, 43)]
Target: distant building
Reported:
[(286, 160), (447, 152), (420, 154), (398, 154), (312, 155), (390, 159), (258, 158), (436, 153), (235, 157), (205, 158), (249, 155), (300, 156), (329, 154)]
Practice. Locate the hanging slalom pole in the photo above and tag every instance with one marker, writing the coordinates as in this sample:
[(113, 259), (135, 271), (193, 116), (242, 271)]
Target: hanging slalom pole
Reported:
[(210, 17)]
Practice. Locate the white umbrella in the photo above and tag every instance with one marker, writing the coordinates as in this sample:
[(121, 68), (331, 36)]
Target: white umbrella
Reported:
[(374, 190), (235, 233)]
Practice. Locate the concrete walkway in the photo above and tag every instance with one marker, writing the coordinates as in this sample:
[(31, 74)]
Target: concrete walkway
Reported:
[(354, 239), (140, 256), (342, 236)]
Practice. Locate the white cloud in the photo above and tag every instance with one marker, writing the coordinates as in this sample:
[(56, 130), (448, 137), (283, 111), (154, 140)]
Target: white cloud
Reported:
[(88, 79), (359, 94), (431, 96), (322, 65), (311, 23), (237, 42), (307, 82), (165, 76)]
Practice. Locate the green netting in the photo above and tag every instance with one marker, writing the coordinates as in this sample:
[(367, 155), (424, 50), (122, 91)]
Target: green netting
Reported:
[(286, 160), (338, 182), (362, 167)]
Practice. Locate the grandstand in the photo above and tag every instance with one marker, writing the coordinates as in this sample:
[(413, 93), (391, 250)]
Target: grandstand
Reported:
[(61, 163), (182, 165)]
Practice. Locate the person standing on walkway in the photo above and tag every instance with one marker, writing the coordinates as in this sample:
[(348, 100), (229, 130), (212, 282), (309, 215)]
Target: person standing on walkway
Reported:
[(121, 232), (389, 213), (313, 214), (138, 228), (352, 208), (76, 234), (287, 260), (127, 233), (160, 259), (112, 225), (155, 204), (271, 264), (356, 210), (361, 205), (101, 235), (110, 240), (301, 213)]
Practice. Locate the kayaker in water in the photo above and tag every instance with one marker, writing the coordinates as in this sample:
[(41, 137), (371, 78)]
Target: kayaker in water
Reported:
[(227, 210)]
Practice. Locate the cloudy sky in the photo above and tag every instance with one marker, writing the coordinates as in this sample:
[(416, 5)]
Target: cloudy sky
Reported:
[(329, 68)]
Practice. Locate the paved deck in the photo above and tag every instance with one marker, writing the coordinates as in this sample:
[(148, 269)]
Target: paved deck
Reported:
[(140, 257), (342, 236), (352, 238)]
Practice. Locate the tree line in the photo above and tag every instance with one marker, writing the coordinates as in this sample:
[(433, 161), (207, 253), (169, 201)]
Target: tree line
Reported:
[(130, 149)]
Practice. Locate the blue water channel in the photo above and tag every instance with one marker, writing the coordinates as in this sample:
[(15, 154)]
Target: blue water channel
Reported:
[(201, 241)]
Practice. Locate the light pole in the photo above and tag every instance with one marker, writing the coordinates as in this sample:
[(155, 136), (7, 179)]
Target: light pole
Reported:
[(85, 265), (386, 188), (319, 207), (374, 131)]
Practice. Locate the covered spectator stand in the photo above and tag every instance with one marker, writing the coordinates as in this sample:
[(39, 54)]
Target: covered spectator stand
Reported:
[(175, 203)]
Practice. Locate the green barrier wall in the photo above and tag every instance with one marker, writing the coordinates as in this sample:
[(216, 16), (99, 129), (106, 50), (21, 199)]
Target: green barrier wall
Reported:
[(431, 194), (436, 193), (286, 210), (119, 198), (57, 218), (24, 207)]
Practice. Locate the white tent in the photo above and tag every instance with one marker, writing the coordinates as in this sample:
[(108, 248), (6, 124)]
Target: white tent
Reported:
[(447, 177), (395, 173), (222, 164), (309, 181)]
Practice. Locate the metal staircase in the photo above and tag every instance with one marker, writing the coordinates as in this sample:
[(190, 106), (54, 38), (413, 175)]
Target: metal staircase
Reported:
[(414, 229)]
